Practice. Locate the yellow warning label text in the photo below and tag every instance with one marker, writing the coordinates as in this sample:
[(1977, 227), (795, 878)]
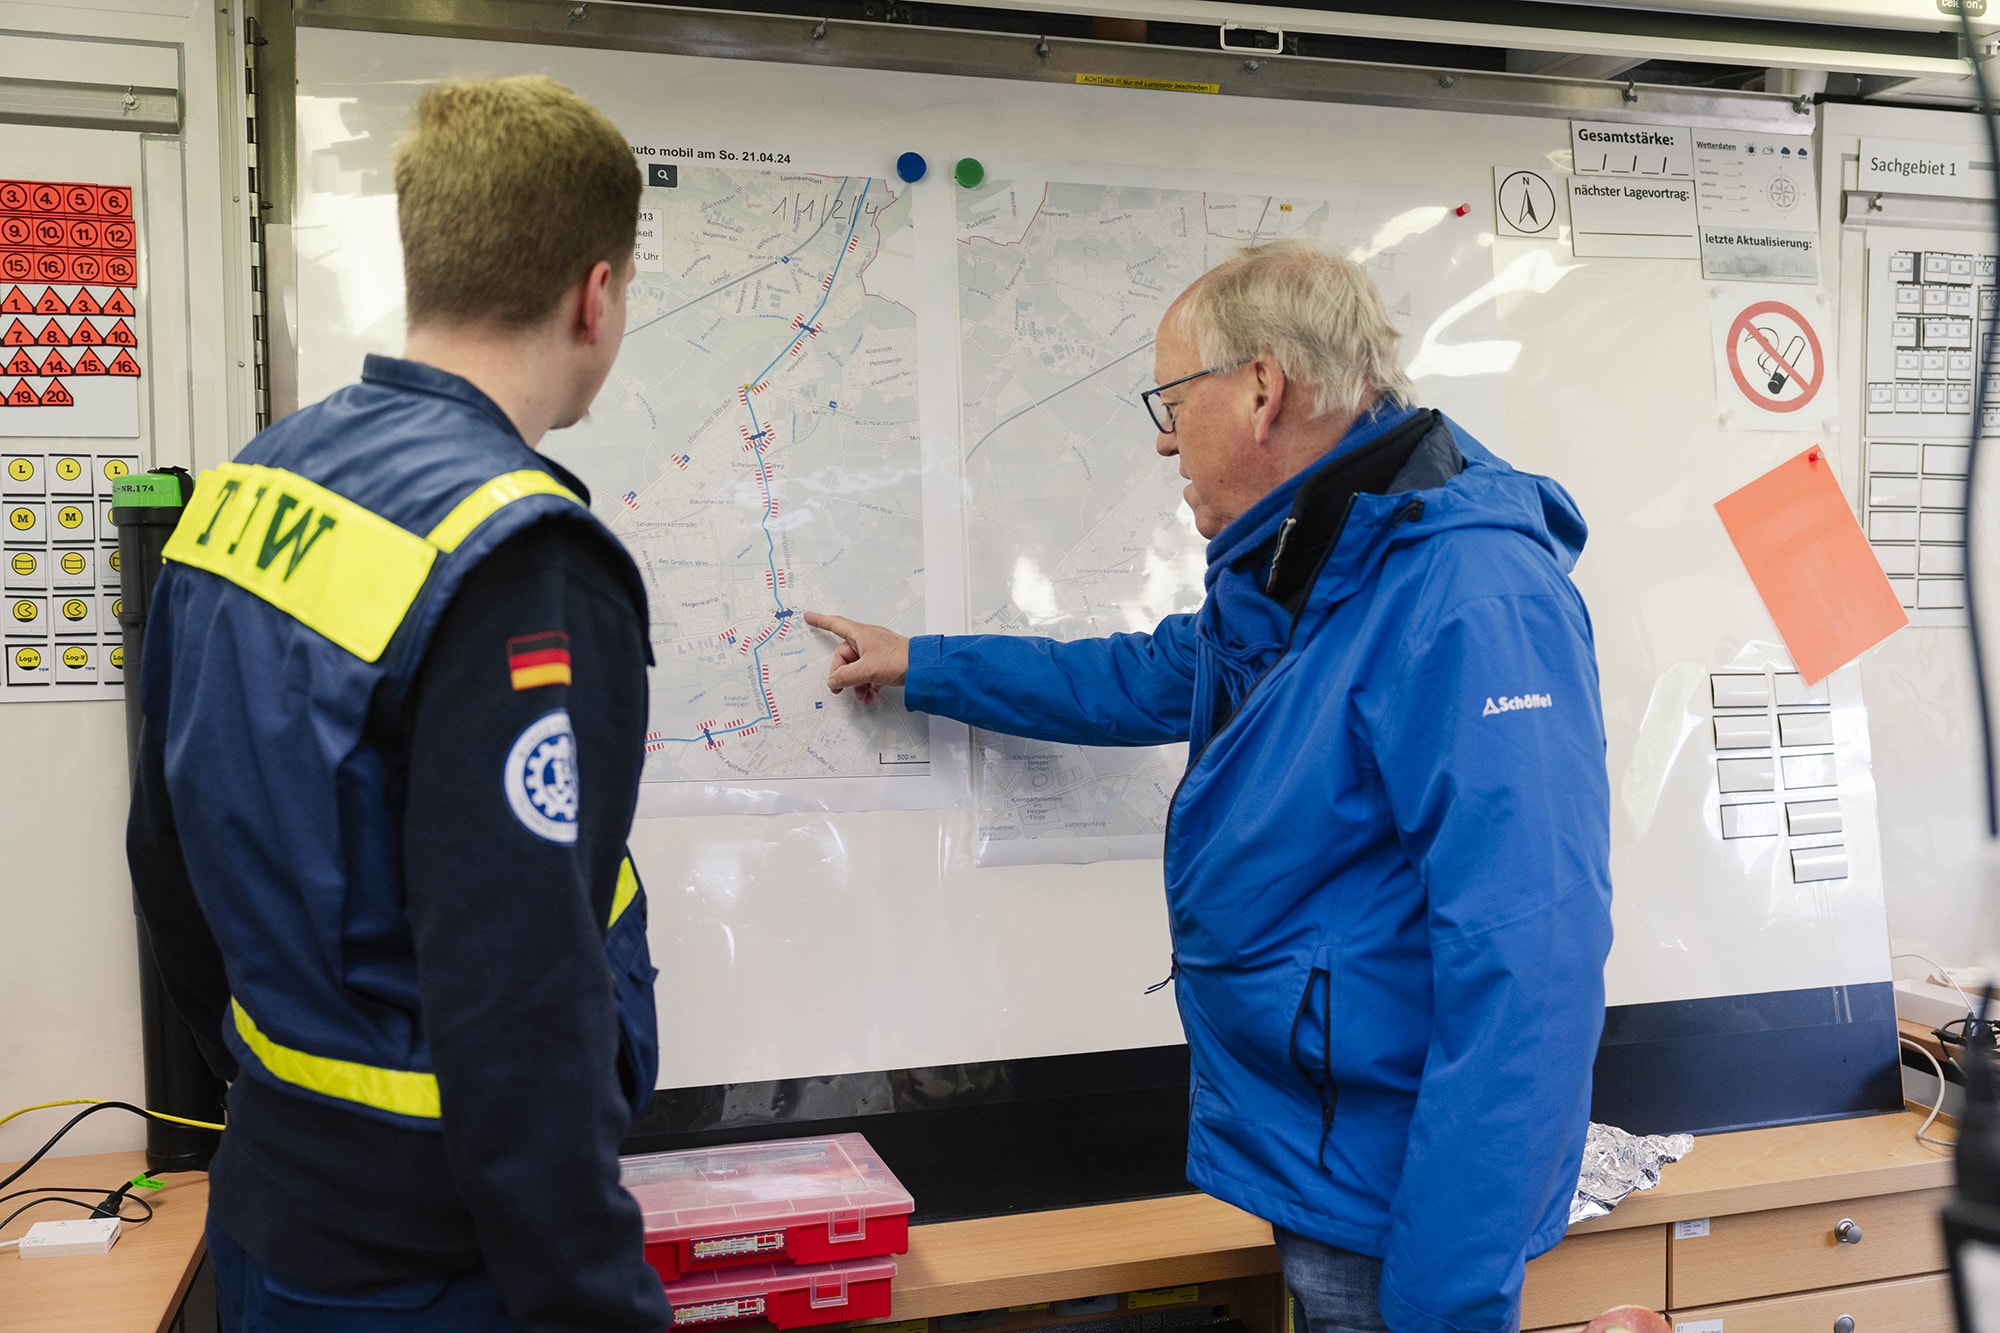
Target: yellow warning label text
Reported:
[(1151, 85), (1141, 1300)]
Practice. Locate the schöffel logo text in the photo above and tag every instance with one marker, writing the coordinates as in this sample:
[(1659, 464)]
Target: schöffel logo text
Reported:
[(1511, 703)]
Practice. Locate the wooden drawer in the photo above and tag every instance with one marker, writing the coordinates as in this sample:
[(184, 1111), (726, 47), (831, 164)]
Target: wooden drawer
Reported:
[(1587, 1275), (1912, 1305), (1793, 1249)]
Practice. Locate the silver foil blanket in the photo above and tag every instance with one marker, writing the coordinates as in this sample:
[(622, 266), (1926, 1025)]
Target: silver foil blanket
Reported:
[(1616, 1163)]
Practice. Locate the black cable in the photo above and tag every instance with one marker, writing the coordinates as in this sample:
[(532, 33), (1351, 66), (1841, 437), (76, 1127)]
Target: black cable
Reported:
[(1972, 457), (1978, 1157), (69, 1189), (79, 1203), (74, 1120)]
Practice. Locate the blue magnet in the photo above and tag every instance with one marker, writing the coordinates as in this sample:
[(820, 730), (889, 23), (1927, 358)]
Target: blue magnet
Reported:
[(911, 167)]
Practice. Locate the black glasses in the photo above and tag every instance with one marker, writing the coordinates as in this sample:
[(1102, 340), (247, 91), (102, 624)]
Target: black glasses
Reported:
[(1161, 410)]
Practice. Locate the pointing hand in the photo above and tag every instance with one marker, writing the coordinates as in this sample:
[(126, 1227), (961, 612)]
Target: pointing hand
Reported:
[(868, 658)]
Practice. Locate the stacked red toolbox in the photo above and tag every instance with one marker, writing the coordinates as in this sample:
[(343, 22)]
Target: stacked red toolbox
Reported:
[(785, 1295), (795, 1232)]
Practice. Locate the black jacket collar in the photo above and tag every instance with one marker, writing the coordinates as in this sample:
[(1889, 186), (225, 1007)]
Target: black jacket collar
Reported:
[(1417, 455)]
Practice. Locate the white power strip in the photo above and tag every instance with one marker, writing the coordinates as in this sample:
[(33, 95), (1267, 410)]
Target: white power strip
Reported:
[(54, 1240)]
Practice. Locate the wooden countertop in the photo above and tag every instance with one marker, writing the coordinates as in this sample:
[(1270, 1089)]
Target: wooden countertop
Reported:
[(136, 1287), (1780, 1168), (994, 1262)]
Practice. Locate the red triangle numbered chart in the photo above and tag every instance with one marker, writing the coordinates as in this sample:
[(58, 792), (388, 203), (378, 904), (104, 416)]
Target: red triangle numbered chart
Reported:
[(116, 304), (21, 363), (17, 335), (53, 335), (17, 303), (88, 364), (86, 335), (120, 335), (23, 396), (57, 396), (52, 364), (85, 303), (123, 364), (51, 304)]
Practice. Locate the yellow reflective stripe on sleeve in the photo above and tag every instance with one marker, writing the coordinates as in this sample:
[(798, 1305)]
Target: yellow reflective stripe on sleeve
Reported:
[(483, 503), (626, 890), (317, 556), (403, 1091)]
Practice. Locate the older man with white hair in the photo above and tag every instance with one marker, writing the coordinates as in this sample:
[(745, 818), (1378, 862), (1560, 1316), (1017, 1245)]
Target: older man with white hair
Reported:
[(1387, 865)]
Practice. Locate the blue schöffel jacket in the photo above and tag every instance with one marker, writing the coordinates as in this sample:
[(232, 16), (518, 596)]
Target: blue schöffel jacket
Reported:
[(1387, 865)]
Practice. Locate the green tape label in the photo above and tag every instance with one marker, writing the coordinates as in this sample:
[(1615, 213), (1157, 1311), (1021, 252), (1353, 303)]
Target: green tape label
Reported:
[(147, 490)]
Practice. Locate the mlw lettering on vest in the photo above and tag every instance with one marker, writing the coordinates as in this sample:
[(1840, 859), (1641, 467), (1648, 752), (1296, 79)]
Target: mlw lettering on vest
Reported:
[(1510, 703), (256, 503), (273, 543), (229, 489), (338, 568)]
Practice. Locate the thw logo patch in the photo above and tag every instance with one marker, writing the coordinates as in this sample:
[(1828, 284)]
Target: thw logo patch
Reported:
[(540, 778)]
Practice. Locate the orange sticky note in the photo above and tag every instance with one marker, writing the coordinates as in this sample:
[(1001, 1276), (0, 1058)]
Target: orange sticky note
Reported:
[(1811, 564)]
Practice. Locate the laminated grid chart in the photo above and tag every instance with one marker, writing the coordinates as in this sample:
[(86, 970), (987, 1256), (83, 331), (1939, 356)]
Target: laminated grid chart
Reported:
[(1925, 311), (60, 575), (1776, 771)]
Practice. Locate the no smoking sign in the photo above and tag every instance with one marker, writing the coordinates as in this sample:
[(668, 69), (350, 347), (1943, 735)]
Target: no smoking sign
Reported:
[(1772, 370)]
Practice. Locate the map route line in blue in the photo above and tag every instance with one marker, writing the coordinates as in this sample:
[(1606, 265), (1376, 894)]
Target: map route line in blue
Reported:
[(757, 434)]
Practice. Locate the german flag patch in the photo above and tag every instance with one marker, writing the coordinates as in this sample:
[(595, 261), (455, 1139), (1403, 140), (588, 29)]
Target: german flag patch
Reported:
[(535, 660)]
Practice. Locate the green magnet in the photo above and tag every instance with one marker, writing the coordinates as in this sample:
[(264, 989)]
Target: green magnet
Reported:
[(968, 172)]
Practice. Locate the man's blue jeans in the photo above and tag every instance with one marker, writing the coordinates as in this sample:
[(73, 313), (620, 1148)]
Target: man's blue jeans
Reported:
[(1337, 1289), (250, 1299)]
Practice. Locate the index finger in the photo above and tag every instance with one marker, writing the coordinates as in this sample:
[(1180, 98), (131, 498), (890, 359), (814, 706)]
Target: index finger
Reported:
[(840, 625)]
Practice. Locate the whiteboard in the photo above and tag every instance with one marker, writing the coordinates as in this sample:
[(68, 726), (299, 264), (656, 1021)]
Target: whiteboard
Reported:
[(1921, 707), (824, 941)]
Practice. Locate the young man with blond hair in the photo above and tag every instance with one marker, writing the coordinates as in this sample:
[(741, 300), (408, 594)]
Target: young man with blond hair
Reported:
[(395, 691), (1387, 867)]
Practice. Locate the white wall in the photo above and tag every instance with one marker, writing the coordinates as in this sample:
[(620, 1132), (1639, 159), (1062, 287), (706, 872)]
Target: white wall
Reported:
[(67, 964)]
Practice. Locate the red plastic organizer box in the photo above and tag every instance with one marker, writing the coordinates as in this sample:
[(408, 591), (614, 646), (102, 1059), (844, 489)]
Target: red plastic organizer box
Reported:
[(797, 1201), (786, 1295)]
